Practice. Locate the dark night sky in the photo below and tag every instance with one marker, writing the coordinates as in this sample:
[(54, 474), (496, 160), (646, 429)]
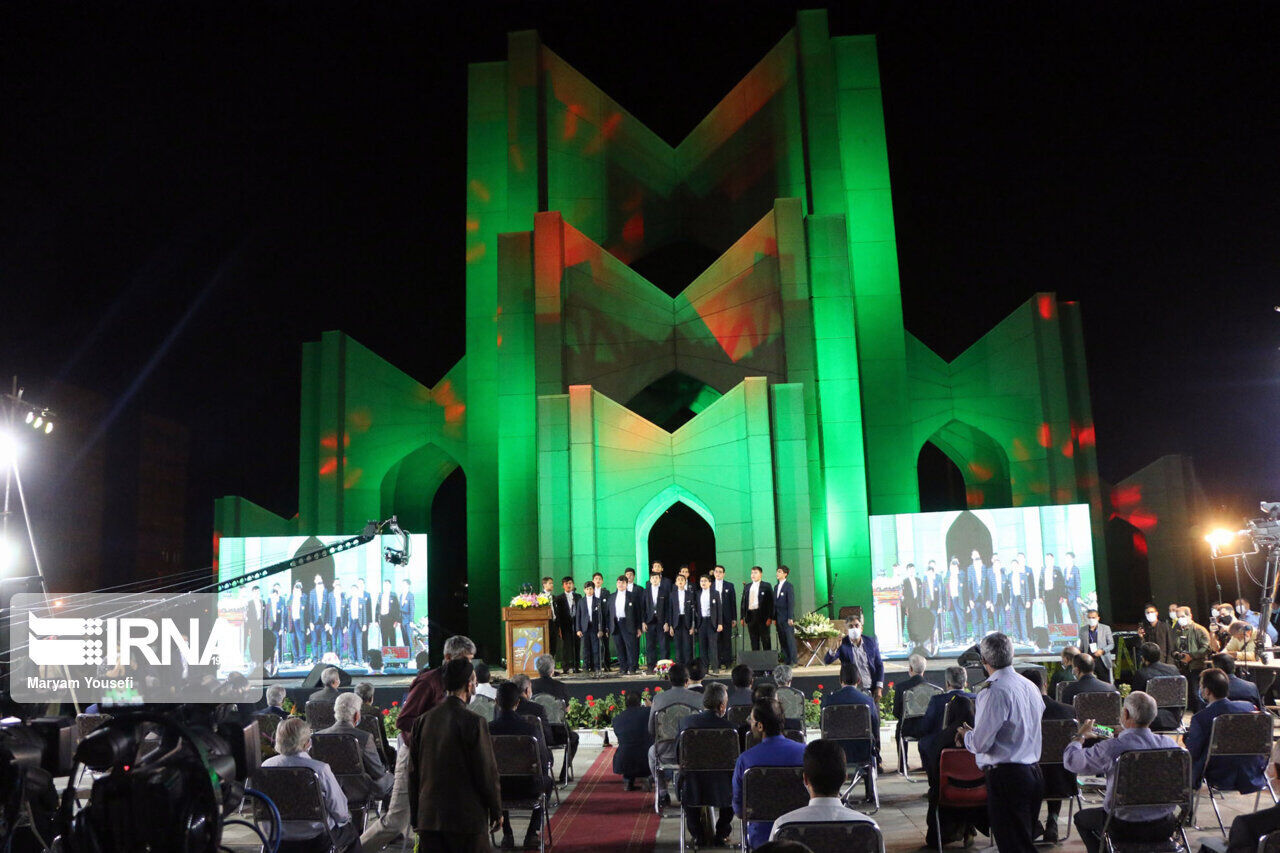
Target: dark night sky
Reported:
[(190, 191)]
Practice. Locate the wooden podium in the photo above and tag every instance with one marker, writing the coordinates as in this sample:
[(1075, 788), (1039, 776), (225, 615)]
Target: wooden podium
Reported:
[(528, 636)]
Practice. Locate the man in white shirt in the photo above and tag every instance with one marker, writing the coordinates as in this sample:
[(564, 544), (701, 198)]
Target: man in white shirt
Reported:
[(293, 739), (824, 775), (1005, 739)]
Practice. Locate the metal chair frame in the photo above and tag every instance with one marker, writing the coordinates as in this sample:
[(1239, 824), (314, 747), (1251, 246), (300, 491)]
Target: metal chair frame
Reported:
[(292, 777), (1157, 685), (794, 831), (342, 753), (730, 737), (557, 710), (859, 722), (1122, 798), (937, 814), (1113, 703), (529, 766), (660, 721), (1052, 745), (1264, 750), (483, 706), (752, 812), (925, 689)]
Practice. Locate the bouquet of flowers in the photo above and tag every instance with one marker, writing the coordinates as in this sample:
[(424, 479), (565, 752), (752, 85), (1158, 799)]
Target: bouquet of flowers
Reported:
[(662, 667), (815, 626), (528, 599)]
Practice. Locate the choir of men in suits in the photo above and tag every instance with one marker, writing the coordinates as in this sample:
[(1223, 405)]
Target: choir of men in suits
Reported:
[(564, 607), (624, 619), (728, 614), (588, 623), (784, 615), (756, 609)]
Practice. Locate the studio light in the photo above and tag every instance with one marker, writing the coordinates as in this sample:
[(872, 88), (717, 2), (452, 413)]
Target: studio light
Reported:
[(48, 427), (1220, 538), (31, 416), (38, 422)]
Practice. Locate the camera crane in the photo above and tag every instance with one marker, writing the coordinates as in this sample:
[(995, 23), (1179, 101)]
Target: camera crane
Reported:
[(394, 556)]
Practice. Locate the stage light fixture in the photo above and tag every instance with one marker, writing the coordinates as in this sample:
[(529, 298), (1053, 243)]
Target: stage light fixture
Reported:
[(48, 427), (38, 422), (1220, 538), (31, 416)]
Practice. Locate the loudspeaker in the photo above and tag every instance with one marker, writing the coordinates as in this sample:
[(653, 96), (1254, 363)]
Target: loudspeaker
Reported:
[(760, 661), (312, 680)]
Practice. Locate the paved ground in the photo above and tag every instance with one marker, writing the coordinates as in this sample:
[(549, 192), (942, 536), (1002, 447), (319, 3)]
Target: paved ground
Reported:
[(901, 816)]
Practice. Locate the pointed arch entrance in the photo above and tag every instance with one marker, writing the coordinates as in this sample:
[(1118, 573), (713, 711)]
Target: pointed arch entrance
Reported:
[(981, 461), (684, 533)]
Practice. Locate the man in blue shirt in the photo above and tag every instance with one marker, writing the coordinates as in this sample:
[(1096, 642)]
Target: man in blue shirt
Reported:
[(1131, 823), (774, 750), (1248, 614), (1244, 773), (1005, 741)]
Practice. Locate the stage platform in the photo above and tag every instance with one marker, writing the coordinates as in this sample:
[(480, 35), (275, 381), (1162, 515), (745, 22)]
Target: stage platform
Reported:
[(392, 687)]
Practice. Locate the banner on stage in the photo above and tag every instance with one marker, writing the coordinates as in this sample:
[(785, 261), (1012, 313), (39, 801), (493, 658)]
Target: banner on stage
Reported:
[(941, 580)]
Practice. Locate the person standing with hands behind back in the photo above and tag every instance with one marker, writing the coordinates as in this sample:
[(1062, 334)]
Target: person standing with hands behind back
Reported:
[(1005, 739)]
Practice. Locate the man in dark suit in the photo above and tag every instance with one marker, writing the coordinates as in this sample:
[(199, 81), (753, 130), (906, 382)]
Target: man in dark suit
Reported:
[(566, 610), (756, 608), (388, 607), (527, 706), (910, 594), (1153, 629), (295, 620), (680, 616), (708, 624), (1019, 624), (275, 621), (589, 624), (254, 619), (954, 678), (848, 694), (548, 589), (1243, 774), (319, 619), (714, 788), (1071, 585), (728, 615), (1238, 690), (546, 683), (1152, 667), (740, 687), (507, 721), (1053, 590), (653, 600), (931, 590), (631, 728), (955, 598), (784, 601), (355, 616), (975, 583), (622, 621), (337, 611), (330, 680), (1058, 781), (993, 590), (606, 647), (1246, 829), (453, 781), (1086, 681), (407, 613)]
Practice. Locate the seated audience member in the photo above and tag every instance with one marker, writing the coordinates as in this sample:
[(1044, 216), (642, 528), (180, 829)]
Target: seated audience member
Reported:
[(1238, 690), (631, 728), (275, 701), (1058, 781), (696, 674), (507, 721), (547, 684), (1243, 774), (484, 687), (371, 711), (1065, 672), (774, 750), (527, 706), (782, 674), (1246, 613), (330, 679), (377, 779), (1246, 829), (1242, 643), (915, 672), (293, 739), (1149, 655), (740, 690), (713, 788), (848, 694), (956, 823), (375, 661), (676, 694), (1086, 681), (954, 680), (824, 775), (422, 661), (1129, 823)]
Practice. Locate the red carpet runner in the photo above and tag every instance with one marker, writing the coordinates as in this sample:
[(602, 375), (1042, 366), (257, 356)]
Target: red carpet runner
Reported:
[(600, 815)]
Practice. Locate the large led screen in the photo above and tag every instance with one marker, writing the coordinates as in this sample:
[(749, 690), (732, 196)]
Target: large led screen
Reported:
[(942, 580), (336, 610)]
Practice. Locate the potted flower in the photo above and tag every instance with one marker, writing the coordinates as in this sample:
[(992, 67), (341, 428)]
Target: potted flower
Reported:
[(815, 633)]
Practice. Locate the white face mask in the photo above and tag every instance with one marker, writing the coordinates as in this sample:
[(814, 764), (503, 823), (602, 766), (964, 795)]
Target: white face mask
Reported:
[(1093, 623), (1173, 614), (1184, 621), (855, 633), (1152, 617)]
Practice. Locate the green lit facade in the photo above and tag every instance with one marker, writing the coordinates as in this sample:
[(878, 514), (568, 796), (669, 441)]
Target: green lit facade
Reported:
[(816, 401)]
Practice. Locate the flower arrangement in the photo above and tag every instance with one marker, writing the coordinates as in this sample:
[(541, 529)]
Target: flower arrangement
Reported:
[(389, 717), (815, 626), (528, 599), (663, 667), (289, 707)]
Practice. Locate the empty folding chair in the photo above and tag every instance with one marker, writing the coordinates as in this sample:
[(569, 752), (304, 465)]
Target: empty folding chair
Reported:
[(484, 706), (557, 731), (1170, 693), (792, 701), (319, 714)]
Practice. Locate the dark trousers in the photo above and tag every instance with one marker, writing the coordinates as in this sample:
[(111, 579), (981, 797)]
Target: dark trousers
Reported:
[(590, 650), (657, 645), (1091, 821), (707, 642), (683, 644), (628, 653), (759, 634), (1014, 792), (724, 646), (569, 645), (299, 649), (1016, 612), (959, 623), (346, 838), (606, 653), (698, 819), (786, 641)]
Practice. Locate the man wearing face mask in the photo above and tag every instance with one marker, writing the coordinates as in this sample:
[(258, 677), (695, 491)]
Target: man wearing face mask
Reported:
[(1153, 629), (1220, 624), (862, 652), (1096, 639), (1246, 613), (1191, 646)]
